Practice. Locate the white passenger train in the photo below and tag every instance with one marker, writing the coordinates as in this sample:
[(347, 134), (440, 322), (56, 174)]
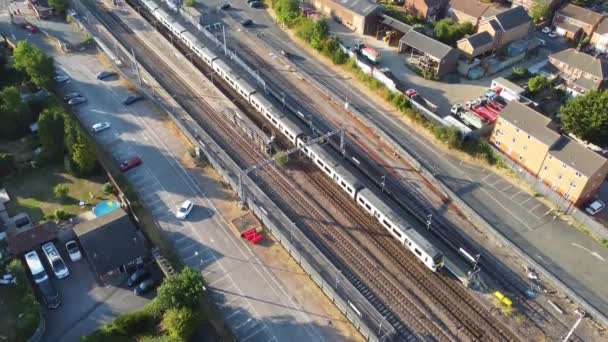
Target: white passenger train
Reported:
[(364, 197)]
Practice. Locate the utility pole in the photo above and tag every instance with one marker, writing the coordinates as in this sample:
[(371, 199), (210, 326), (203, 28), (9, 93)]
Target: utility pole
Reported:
[(429, 220), (383, 182)]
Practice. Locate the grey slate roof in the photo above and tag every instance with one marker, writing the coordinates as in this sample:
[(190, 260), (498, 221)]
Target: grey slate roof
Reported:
[(427, 45), (473, 8), (577, 156), (512, 18), (480, 39), (396, 24), (530, 121), (582, 61), (361, 7), (110, 241)]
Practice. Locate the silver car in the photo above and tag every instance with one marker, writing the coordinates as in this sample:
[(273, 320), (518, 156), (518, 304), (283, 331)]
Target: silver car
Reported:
[(77, 100), (100, 126)]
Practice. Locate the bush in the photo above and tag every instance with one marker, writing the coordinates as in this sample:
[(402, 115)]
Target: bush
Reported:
[(537, 83), (61, 191), (108, 188), (282, 160), (519, 73), (180, 323), (189, 3), (183, 290), (62, 215), (605, 243)]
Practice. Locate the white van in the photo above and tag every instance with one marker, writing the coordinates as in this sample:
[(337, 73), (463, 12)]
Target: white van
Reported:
[(55, 260), (35, 266)]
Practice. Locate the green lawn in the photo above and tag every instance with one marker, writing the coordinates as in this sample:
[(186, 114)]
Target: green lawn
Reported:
[(11, 306), (33, 192)]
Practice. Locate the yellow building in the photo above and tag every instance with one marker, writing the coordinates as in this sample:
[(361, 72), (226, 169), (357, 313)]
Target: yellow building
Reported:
[(568, 167), (507, 26)]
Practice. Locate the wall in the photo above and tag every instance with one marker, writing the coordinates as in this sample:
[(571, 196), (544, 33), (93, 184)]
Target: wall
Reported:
[(514, 34)]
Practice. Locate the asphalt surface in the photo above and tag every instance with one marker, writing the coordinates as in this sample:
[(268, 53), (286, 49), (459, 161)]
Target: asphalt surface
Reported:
[(253, 302), (568, 254)]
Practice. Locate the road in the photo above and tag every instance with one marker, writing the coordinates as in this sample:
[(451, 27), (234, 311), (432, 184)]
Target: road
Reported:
[(520, 217), (254, 302)]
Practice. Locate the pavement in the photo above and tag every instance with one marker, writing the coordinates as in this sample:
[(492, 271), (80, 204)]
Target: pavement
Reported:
[(256, 304), (567, 253)]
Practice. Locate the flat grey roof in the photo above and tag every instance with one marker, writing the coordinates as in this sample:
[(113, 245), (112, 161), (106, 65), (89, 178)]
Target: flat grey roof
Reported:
[(396, 24), (426, 44), (577, 156), (530, 121), (508, 84), (361, 7)]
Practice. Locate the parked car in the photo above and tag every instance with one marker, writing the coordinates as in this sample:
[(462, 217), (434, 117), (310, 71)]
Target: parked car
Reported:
[(100, 126), (184, 209), (552, 34), (55, 260), (50, 295), (73, 250), (225, 6), (77, 100), (144, 287), (70, 96), (22, 221), (33, 263), (131, 99), (61, 79), (138, 276), (546, 29), (595, 207), (255, 4), (129, 164), (102, 75), (31, 28), (246, 22)]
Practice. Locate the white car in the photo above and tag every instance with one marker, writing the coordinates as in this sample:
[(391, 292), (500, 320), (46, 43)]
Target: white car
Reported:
[(184, 210), (100, 126), (73, 250), (595, 207), (552, 34), (546, 29), (62, 79)]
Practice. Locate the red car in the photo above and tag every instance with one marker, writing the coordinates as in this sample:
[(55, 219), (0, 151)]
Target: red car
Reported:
[(29, 27), (129, 164)]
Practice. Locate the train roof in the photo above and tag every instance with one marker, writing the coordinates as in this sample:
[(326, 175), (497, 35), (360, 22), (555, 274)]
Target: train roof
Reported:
[(179, 28), (150, 5), (161, 13), (290, 125), (221, 64), (422, 242), (263, 101), (328, 158), (349, 177), (190, 37), (243, 84), (209, 54)]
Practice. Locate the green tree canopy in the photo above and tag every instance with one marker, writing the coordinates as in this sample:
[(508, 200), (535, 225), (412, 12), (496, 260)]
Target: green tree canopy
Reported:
[(14, 114), (180, 323), (59, 5), (189, 3), (51, 132), (539, 10), (319, 34), (183, 290), (448, 32), (586, 116), (84, 156), (537, 83), (38, 66), (287, 11)]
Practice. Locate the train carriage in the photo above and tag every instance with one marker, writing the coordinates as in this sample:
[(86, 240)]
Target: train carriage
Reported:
[(324, 160), (207, 55), (347, 181), (189, 39), (244, 88), (265, 107), (225, 72), (177, 28), (163, 17), (291, 131), (150, 5)]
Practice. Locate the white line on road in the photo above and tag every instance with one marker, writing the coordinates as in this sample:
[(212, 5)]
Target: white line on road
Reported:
[(593, 253)]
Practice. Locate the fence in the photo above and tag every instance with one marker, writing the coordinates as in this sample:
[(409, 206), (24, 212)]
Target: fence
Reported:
[(330, 279)]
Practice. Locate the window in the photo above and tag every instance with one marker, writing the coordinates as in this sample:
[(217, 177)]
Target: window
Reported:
[(545, 168), (559, 177), (517, 129), (528, 136), (368, 207), (563, 165), (521, 158), (578, 174), (417, 252), (386, 224), (513, 140), (497, 143)]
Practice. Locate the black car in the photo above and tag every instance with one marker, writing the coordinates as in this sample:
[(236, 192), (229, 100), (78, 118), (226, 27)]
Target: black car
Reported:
[(22, 221), (255, 4), (138, 276), (70, 96), (102, 75), (49, 294), (144, 287), (132, 99), (246, 22), (225, 6)]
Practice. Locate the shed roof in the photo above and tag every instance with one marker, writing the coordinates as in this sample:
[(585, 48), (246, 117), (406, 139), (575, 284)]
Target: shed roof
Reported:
[(577, 156), (580, 13), (427, 45), (530, 121), (361, 7), (513, 17), (396, 24), (582, 61), (509, 85), (110, 241), (473, 8)]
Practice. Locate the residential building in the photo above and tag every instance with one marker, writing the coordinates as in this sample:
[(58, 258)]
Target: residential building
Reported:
[(599, 39), (429, 54), (360, 16), (580, 71), (528, 4), (507, 26), (111, 243), (571, 21), (569, 168), (476, 45), (472, 11), (428, 9)]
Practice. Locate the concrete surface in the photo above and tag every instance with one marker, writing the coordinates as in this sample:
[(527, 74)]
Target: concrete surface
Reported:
[(523, 220)]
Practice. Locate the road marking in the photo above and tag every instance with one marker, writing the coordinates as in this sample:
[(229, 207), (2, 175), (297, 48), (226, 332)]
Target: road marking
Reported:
[(536, 206), (253, 334), (240, 325), (232, 314), (515, 195), (522, 203), (593, 253)]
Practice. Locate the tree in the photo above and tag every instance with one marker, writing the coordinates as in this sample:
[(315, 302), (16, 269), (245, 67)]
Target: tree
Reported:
[(448, 32), (183, 290), (61, 191), (38, 66), (84, 157), (287, 11), (51, 132), (180, 323), (537, 83), (319, 34), (539, 10), (59, 5), (14, 114), (189, 3), (586, 116)]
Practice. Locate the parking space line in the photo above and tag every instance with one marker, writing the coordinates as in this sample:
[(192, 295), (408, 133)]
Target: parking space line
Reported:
[(253, 333), (231, 301), (508, 186), (516, 194), (240, 325), (219, 279), (232, 314), (536, 206), (525, 201)]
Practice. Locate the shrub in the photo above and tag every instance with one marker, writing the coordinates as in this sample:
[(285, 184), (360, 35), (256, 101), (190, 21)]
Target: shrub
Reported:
[(189, 3), (282, 160), (61, 191), (108, 188), (605, 243), (537, 83), (62, 215), (180, 323), (519, 73), (183, 290)]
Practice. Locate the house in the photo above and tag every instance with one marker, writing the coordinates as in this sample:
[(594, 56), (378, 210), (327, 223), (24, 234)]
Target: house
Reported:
[(571, 21), (507, 26), (428, 9), (475, 45), (599, 39), (111, 243), (360, 16), (580, 71), (472, 11), (429, 54), (569, 168), (529, 4)]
